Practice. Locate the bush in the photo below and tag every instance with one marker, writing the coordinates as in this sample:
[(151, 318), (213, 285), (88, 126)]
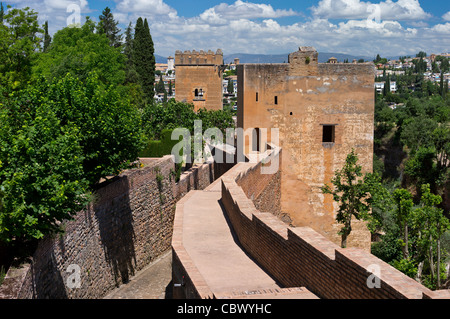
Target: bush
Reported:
[(109, 127), (41, 170), (56, 141), (160, 148)]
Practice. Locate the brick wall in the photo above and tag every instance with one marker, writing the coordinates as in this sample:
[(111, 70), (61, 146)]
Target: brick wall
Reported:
[(301, 257), (129, 224)]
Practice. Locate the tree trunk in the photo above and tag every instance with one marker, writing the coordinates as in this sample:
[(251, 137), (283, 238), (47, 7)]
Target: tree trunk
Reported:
[(419, 272), (438, 264), (405, 248), (430, 252), (346, 232)]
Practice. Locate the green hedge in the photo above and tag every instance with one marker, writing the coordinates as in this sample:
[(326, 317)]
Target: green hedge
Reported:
[(162, 147)]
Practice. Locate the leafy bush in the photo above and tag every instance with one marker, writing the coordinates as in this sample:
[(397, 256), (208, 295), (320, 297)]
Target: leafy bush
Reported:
[(56, 141), (160, 148), (109, 127), (41, 170)]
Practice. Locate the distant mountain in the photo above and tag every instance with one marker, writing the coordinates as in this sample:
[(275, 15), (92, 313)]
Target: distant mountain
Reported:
[(283, 58), (279, 58), (160, 59)]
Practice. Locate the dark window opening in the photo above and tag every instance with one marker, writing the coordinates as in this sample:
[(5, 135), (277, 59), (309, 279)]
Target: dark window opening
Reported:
[(198, 94), (256, 96), (256, 143), (276, 100), (328, 134), (290, 113)]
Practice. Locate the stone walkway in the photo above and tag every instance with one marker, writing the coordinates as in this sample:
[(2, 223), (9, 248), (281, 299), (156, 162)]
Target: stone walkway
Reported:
[(152, 282)]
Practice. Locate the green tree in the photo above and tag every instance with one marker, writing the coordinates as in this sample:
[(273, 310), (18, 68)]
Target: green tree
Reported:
[(160, 87), (442, 88), (108, 26), (431, 224), (144, 58), (350, 191), (20, 39), (170, 93), (41, 168), (404, 201), (109, 126), (445, 66), (79, 51), (2, 12), (230, 87), (131, 75), (421, 54), (47, 37)]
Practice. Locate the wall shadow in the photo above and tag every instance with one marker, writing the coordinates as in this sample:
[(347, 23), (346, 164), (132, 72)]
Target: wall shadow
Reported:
[(238, 243), (115, 221), (47, 281)]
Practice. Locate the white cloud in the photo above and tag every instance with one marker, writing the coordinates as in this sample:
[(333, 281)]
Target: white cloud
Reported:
[(53, 11), (149, 8), (446, 16), (247, 10), (401, 10), (248, 27)]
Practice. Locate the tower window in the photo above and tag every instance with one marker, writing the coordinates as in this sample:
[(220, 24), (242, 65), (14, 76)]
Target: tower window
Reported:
[(328, 133), (256, 96), (198, 93), (276, 100), (256, 144)]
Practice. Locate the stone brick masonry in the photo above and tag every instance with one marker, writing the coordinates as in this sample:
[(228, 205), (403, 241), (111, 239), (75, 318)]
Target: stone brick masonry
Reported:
[(301, 257), (128, 225)]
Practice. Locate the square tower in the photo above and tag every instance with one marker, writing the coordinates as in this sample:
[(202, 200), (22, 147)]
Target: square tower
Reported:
[(199, 78), (322, 111)]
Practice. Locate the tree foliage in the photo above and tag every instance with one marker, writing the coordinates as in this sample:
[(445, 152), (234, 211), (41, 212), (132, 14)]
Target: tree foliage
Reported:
[(41, 168), (143, 57), (355, 194), (108, 26), (20, 39), (79, 51)]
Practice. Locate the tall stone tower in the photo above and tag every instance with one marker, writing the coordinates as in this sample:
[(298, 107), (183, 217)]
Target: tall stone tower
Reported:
[(322, 111), (199, 78)]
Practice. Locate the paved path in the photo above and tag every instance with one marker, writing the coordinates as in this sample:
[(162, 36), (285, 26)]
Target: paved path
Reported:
[(152, 282), (209, 241), (211, 244)]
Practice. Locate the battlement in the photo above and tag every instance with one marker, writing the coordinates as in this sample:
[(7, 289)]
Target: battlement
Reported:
[(198, 57), (305, 61)]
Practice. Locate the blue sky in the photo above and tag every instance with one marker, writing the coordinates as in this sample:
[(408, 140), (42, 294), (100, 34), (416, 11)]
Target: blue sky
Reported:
[(389, 27)]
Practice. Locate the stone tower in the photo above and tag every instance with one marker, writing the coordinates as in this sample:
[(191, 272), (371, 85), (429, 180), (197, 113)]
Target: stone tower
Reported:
[(322, 111), (199, 78)]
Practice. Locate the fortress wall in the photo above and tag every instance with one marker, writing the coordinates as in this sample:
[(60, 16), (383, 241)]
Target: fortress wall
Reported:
[(301, 257), (129, 224)]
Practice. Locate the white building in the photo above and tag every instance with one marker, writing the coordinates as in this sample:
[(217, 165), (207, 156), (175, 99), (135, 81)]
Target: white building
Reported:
[(170, 63), (379, 86)]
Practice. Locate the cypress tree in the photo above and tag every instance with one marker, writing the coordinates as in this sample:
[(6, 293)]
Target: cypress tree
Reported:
[(144, 58), (170, 88), (160, 88), (230, 87), (47, 37), (131, 75), (2, 12)]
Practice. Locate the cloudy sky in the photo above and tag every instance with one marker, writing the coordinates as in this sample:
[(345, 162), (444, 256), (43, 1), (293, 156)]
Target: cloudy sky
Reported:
[(390, 28)]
